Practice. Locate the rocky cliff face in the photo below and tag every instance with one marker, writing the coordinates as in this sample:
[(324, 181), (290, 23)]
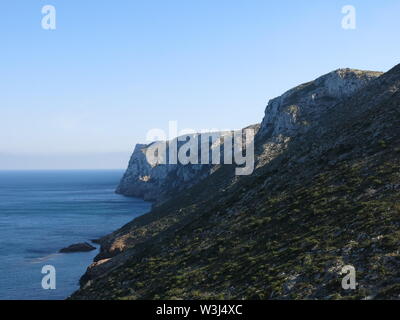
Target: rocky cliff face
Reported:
[(299, 109), (157, 182), (286, 116), (327, 196), (302, 106)]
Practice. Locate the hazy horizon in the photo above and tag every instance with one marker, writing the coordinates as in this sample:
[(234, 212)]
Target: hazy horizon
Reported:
[(78, 161)]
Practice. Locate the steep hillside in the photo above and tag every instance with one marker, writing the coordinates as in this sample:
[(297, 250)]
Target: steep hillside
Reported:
[(326, 193)]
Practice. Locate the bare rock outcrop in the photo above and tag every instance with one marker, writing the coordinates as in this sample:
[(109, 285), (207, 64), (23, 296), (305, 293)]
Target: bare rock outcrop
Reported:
[(78, 247), (157, 182)]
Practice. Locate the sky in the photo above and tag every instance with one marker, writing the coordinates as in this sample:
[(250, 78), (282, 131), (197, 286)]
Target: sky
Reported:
[(81, 96)]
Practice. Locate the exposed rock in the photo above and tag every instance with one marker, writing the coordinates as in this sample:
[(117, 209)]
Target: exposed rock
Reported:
[(158, 182), (300, 107), (78, 247), (293, 113)]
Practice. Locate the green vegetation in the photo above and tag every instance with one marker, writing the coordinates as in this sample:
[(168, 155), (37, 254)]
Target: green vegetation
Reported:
[(332, 198)]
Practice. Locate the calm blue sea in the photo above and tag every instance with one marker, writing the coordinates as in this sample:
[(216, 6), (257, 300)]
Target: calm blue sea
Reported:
[(44, 211)]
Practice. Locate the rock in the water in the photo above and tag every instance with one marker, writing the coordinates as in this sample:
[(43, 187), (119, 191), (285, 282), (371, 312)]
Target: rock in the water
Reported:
[(78, 247)]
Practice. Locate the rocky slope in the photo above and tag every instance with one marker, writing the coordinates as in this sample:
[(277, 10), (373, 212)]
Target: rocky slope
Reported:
[(326, 193)]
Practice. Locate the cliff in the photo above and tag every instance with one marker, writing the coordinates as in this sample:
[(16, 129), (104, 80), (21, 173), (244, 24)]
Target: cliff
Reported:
[(290, 114), (300, 106), (158, 182), (325, 194)]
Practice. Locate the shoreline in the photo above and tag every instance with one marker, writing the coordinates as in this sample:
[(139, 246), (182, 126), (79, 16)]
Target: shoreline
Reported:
[(102, 262)]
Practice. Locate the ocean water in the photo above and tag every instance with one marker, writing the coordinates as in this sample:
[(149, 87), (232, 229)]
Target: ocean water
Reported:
[(44, 211)]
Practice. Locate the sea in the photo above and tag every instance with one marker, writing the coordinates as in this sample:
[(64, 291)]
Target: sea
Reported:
[(42, 212)]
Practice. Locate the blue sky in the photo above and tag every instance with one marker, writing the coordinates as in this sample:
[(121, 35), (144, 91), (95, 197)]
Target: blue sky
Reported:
[(112, 70)]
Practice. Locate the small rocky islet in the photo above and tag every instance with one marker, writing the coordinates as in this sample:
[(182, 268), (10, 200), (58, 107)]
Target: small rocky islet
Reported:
[(78, 247)]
